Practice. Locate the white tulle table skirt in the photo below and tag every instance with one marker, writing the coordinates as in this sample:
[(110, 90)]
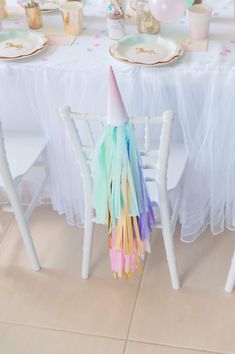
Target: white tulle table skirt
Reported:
[(200, 89)]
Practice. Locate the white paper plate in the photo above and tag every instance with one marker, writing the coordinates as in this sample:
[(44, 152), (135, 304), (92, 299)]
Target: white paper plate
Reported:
[(51, 5), (20, 43), (146, 49)]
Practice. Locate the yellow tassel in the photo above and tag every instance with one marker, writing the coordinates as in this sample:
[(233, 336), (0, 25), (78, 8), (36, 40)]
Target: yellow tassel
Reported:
[(124, 275), (138, 239), (139, 266), (118, 233), (130, 236)]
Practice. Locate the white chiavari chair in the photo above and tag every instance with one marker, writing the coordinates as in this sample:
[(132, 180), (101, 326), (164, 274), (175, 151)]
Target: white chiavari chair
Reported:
[(230, 282), (166, 170), (18, 153)]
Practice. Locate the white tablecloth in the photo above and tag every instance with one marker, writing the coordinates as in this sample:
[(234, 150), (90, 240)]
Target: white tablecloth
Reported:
[(200, 88)]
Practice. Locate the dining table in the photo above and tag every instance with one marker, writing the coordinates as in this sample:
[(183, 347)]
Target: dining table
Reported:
[(199, 87)]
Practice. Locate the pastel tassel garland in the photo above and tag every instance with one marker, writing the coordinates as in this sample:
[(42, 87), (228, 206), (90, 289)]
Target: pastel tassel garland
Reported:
[(121, 199), (120, 196)]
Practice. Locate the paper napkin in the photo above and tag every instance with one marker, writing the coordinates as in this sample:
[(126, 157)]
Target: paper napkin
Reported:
[(193, 45)]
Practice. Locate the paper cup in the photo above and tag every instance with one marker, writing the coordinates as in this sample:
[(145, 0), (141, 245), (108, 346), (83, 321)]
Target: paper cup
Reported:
[(3, 9), (199, 17), (72, 14)]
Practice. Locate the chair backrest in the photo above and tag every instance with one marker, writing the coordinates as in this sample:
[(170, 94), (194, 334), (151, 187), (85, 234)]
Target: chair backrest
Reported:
[(157, 158)]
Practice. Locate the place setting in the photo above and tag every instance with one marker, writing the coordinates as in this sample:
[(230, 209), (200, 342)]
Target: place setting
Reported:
[(19, 43), (150, 47)]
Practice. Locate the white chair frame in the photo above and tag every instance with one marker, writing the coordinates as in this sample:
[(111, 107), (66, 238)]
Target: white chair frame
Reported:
[(230, 282), (10, 187), (168, 220)]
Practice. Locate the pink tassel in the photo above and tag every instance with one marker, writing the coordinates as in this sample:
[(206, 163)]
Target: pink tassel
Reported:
[(123, 266)]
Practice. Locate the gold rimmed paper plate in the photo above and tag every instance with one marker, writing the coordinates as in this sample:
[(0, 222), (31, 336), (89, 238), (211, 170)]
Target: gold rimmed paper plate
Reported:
[(148, 65), (146, 49), (19, 44), (26, 56)]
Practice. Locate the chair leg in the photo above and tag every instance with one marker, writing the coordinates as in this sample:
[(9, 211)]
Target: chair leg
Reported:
[(16, 206), (170, 254), (87, 247), (231, 276), (168, 233), (25, 234), (17, 209)]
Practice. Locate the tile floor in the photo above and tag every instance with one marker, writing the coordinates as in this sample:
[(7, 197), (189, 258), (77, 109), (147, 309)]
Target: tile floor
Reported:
[(55, 312)]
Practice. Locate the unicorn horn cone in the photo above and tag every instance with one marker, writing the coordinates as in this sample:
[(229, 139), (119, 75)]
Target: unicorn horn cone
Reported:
[(116, 115)]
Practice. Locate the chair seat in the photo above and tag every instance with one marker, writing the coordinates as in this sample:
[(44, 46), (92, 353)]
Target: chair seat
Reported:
[(22, 150)]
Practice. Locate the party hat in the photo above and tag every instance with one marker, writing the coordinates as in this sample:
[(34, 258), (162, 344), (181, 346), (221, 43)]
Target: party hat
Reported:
[(116, 115)]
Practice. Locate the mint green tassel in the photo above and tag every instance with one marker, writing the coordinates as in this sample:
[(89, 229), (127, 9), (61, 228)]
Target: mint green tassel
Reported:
[(117, 160)]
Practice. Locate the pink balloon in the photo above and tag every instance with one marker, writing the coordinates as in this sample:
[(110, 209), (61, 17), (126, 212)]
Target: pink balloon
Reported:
[(167, 10)]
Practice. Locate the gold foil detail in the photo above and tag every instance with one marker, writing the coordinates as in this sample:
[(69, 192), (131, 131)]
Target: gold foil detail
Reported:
[(12, 45), (145, 51)]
